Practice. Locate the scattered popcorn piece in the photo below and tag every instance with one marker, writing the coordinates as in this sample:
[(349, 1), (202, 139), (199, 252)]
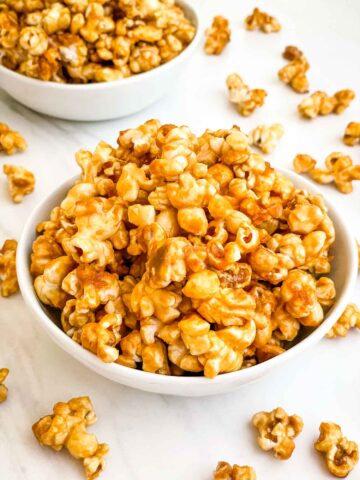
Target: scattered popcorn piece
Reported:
[(224, 471), (294, 73), (277, 430), (266, 137), (350, 318), (242, 96), (8, 277), (217, 36), (67, 427), (21, 181), (4, 372), (10, 140), (340, 453), (352, 134), (339, 170), (319, 103), (262, 21)]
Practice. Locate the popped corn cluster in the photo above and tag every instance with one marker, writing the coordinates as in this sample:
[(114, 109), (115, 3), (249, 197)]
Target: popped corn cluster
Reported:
[(277, 430), (8, 277), (21, 181), (10, 140), (294, 73), (352, 134), (181, 254), (350, 318), (217, 36), (341, 455), (262, 21), (81, 41), (339, 170), (245, 99), (4, 372), (224, 471), (266, 137), (319, 103), (67, 427)]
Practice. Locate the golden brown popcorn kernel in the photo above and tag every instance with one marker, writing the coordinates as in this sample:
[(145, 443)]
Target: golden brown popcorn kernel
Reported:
[(224, 471), (292, 53), (294, 73), (266, 137), (242, 96), (217, 36), (4, 372), (8, 277), (341, 454), (276, 431), (10, 140), (303, 163), (352, 134), (67, 427), (262, 21), (319, 103), (350, 318), (21, 181)]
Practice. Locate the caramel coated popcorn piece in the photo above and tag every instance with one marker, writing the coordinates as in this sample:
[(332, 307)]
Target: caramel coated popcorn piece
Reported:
[(339, 170), (178, 254), (350, 318), (352, 134), (4, 372), (8, 278), (21, 181), (276, 431), (67, 427), (266, 137), (10, 140), (262, 21), (341, 454), (319, 103), (224, 471), (294, 73), (217, 36), (245, 99)]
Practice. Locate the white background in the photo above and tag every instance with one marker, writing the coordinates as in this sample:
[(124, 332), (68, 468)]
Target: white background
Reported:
[(165, 438)]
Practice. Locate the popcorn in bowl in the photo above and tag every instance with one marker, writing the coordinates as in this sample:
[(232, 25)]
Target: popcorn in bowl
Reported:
[(76, 41), (178, 254)]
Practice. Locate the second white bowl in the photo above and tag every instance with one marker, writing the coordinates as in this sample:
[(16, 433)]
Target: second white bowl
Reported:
[(105, 100)]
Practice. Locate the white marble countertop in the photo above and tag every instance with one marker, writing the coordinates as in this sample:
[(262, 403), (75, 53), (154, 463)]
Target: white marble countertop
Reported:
[(167, 438)]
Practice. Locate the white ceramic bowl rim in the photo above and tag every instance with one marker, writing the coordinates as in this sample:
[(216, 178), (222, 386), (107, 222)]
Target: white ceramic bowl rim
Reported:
[(111, 370), (132, 79)]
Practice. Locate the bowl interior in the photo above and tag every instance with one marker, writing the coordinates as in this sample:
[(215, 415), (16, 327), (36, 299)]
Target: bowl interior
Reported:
[(343, 273)]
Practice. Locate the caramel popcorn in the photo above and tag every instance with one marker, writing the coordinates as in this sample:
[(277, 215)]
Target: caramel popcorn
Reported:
[(340, 453), (67, 427), (81, 41), (4, 372), (21, 181), (10, 140), (350, 318), (217, 36), (8, 277), (242, 96), (352, 134), (277, 430), (339, 170), (262, 21), (224, 471), (319, 103), (266, 137), (294, 73), (181, 255)]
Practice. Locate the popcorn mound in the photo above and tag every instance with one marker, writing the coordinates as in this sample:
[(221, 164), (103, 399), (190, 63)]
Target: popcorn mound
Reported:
[(179, 254)]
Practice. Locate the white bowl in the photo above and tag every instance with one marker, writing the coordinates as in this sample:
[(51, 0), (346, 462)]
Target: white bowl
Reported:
[(105, 100), (344, 274)]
